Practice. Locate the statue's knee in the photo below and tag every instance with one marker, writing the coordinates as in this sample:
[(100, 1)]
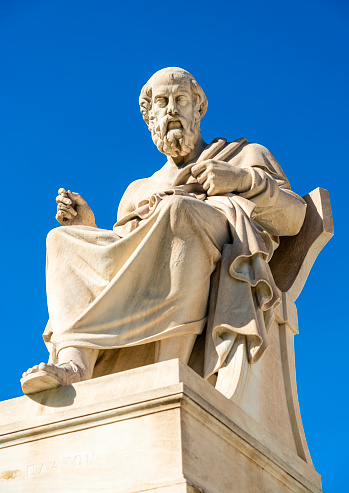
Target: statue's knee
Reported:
[(54, 236), (176, 201), (179, 210), (179, 207)]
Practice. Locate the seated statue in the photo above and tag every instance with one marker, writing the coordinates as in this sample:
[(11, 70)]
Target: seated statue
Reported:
[(148, 280)]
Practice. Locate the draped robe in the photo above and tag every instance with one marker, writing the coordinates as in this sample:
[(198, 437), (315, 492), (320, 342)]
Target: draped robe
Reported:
[(149, 278)]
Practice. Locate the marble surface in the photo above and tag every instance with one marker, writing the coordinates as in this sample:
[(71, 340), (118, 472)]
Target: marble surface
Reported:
[(158, 428)]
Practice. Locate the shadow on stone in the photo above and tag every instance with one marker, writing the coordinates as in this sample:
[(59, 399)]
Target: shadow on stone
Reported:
[(60, 397)]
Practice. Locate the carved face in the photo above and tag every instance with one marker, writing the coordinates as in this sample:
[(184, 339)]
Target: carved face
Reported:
[(174, 119)]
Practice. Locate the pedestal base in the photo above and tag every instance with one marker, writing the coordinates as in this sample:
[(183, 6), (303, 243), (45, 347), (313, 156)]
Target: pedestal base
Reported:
[(158, 428)]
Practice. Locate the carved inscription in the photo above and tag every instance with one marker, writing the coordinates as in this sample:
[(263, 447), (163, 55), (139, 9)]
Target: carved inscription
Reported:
[(49, 467), (61, 464)]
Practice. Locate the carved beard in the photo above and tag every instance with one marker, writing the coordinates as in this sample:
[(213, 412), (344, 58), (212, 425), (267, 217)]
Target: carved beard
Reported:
[(177, 141)]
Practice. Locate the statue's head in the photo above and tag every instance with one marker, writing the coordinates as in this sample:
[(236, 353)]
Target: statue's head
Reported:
[(172, 104)]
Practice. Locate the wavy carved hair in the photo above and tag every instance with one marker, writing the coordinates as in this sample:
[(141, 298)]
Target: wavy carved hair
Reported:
[(145, 98)]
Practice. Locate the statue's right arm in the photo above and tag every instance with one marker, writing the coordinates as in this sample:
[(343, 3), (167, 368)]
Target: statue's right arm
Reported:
[(129, 200), (73, 210)]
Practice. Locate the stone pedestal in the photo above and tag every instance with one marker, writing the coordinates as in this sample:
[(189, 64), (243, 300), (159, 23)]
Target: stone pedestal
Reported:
[(159, 428)]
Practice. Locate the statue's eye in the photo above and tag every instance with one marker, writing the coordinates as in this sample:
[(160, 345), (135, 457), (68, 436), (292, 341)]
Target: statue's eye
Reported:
[(182, 100), (161, 102)]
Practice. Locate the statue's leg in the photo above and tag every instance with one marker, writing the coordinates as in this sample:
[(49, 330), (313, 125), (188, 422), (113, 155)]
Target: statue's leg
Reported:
[(74, 365), (150, 284), (175, 347), (84, 358)]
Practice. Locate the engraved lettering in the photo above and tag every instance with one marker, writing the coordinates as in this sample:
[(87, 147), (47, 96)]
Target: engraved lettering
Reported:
[(42, 468), (59, 464), (90, 457), (66, 461), (77, 460)]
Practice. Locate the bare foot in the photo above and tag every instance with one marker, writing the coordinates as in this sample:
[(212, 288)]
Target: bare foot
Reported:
[(47, 376)]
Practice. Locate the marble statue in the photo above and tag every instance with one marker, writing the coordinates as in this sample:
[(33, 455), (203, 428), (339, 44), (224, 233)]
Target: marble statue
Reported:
[(148, 280)]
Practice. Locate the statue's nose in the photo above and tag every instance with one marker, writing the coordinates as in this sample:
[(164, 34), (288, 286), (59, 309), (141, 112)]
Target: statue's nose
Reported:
[(172, 108)]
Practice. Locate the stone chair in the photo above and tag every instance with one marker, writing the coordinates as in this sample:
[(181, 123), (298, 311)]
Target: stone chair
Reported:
[(291, 266), (267, 390)]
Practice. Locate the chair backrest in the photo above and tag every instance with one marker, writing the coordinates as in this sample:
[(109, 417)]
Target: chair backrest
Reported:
[(293, 260)]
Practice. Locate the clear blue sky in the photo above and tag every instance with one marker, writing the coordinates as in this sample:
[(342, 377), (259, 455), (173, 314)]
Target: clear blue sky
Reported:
[(275, 72)]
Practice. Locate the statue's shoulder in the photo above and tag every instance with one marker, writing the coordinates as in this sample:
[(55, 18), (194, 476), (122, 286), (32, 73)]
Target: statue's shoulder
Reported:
[(135, 185), (248, 150), (128, 200), (254, 148), (239, 149), (251, 154)]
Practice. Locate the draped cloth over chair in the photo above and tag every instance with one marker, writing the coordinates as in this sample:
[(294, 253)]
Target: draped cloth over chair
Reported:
[(290, 266)]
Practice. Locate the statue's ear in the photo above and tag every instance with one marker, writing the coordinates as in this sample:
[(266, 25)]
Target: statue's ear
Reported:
[(201, 104), (203, 108), (199, 98), (145, 107), (145, 104)]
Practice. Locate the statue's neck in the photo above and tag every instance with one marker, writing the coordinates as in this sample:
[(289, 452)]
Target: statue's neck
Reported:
[(181, 161)]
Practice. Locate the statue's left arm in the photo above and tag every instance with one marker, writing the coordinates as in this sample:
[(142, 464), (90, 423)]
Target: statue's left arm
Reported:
[(254, 173), (278, 210)]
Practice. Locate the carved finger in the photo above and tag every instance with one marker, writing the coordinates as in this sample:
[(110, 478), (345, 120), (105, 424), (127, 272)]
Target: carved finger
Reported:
[(211, 190), (60, 218), (60, 214), (63, 207), (66, 208), (203, 176), (63, 217), (206, 185), (62, 191), (76, 197), (68, 215), (198, 168), (60, 199)]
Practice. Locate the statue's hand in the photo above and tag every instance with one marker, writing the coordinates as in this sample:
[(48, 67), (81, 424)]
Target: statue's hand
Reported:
[(72, 209), (219, 177)]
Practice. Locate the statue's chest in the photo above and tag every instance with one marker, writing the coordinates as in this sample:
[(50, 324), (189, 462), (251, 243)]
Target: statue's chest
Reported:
[(162, 180)]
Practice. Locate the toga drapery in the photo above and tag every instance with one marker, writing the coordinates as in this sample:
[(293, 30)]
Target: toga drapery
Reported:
[(149, 278)]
